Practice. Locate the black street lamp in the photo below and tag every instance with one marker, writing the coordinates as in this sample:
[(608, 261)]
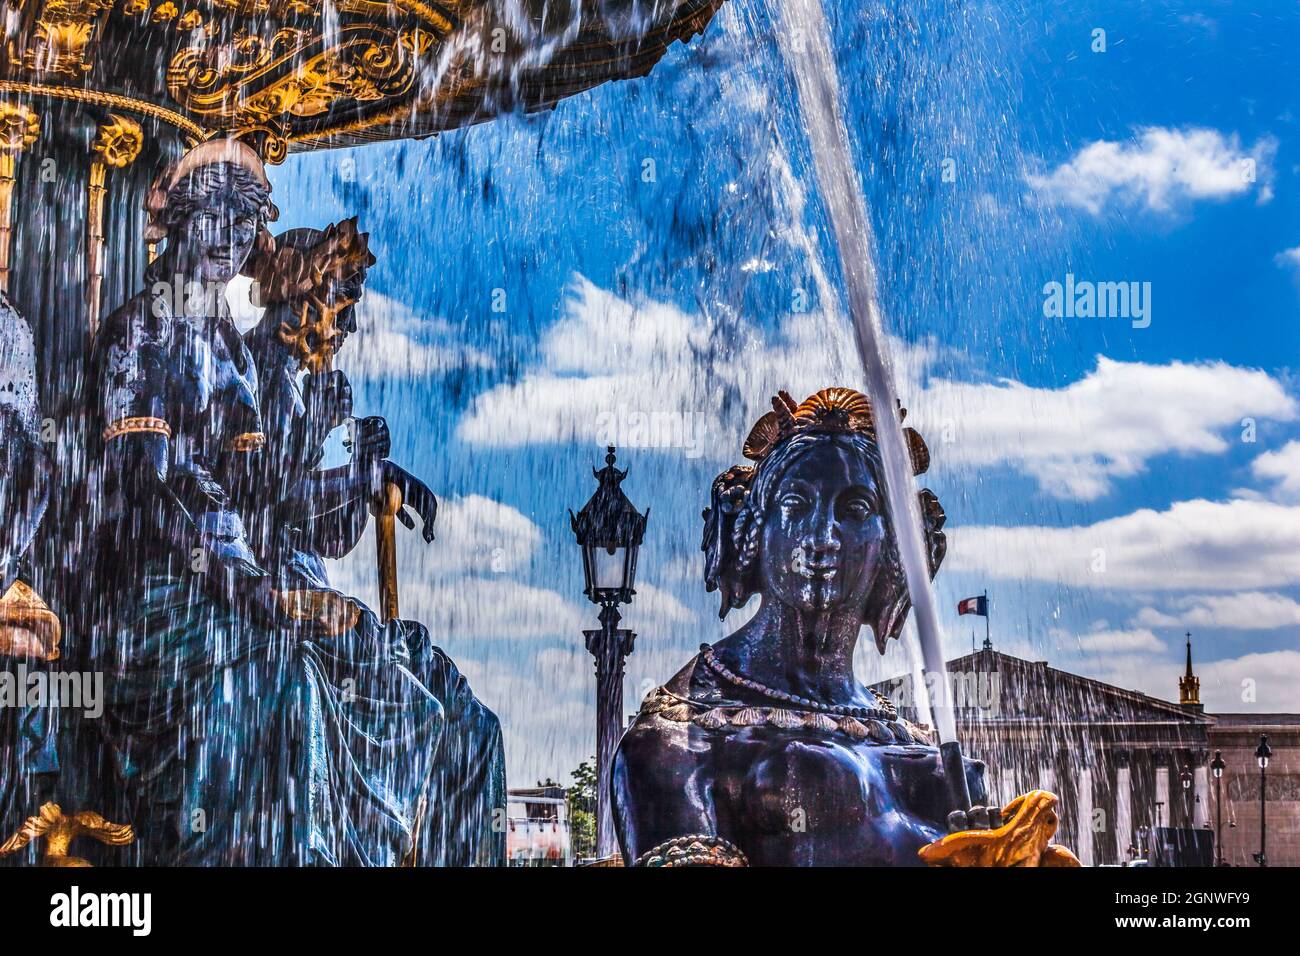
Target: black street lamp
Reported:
[(609, 531), (1185, 778), (1217, 766), (1262, 753)]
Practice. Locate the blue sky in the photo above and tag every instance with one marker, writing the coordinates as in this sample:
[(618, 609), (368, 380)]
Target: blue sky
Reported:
[(660, 263)]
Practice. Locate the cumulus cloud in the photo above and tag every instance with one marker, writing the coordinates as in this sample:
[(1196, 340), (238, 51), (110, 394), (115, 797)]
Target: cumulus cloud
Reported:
[(1136, 640), (1244, 611), (1077, 439), (1202, 545), (1289, 259), (613, 371), (1262, 683), (392, 340), (1160, 169), (1282, 468)]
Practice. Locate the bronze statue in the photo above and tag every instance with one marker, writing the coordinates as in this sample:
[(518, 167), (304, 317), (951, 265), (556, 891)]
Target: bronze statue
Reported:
[(235, 678), (765, 749), (27, 627)]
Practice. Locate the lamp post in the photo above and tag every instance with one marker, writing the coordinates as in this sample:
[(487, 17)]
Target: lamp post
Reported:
[(609, 531), (1185, 778), (1216, 766), (1262, 753)]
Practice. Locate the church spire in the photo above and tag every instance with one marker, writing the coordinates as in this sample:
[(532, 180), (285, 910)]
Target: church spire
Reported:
[(1189, 685)]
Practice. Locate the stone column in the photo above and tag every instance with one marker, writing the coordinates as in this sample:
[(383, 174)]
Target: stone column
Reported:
[(1123, 807), (1084, 828), (1201, 787), (1162, 796)]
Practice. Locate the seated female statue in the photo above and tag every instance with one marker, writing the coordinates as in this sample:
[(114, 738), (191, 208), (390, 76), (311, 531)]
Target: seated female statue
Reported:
[(765, 749), (310, 284), (250, 717)]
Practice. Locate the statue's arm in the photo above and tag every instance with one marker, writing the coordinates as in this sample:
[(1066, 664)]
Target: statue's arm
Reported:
[(662, 789)]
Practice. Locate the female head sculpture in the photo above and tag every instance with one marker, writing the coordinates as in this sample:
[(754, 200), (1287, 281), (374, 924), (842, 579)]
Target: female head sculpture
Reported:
[(212, 208), (780, 528), (773, 716)]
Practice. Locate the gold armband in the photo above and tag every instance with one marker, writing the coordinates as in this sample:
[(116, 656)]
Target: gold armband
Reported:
[(126, 426), (248, 441), (698, 849)]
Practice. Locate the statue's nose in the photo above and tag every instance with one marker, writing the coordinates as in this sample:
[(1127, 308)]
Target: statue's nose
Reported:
[(823, 537)]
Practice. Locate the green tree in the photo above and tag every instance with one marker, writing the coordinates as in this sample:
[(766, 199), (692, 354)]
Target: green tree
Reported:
[(582, 809)]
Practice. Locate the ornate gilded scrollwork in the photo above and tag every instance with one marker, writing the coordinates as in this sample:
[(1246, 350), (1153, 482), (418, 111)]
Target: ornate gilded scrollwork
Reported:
[(119, 141), (295, 73), (63, 34), (116, 146), (19, 127)]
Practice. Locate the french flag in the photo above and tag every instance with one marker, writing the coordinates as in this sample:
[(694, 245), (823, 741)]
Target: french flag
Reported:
[(976, 605)]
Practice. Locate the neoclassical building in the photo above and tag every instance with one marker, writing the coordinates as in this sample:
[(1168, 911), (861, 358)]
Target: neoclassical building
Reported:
[(1124, 762)]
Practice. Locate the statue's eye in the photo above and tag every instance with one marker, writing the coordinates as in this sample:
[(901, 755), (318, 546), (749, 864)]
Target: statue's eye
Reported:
[(793, 502), (859, 509)]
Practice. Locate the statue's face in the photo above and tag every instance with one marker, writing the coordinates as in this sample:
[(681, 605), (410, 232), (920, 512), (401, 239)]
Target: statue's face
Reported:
[(823, 535), (214, 242), (344, 294)]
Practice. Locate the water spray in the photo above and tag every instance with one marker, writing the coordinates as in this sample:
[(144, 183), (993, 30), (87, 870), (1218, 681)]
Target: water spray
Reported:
[(805, 45)]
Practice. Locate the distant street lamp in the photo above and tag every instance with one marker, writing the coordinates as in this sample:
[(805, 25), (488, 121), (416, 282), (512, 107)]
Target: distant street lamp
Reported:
[(1185, 778), (609, 531), (1262, 753), (1217, 766)]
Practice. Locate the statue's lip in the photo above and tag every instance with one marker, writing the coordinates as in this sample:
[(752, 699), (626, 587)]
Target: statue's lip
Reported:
[(823, 571)]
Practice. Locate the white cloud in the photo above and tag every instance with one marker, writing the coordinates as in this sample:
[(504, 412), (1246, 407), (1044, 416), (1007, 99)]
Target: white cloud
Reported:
[(1263, 683), (1289, 259), (1192, 545), (1282, 467), (1136, 640), (392, 340), (1075, 440), (1244, 611), (1161, 168), (643, 375)]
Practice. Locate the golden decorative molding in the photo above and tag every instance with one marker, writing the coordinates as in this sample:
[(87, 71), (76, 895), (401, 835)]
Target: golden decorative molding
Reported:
[(294, 73), (20, 125), (59, 831), (116, 146), (62, 37), (113, 101), (119, 141)]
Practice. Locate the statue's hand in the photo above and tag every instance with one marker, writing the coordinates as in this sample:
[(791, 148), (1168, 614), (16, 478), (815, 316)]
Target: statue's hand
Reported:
[(976, 818), (328, 397), (416, 495), (370, 439)]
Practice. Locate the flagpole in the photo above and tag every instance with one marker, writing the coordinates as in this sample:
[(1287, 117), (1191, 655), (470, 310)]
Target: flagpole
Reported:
[(988, 644)]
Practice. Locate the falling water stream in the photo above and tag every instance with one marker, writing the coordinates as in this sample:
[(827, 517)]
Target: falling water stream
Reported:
[(805, 45)]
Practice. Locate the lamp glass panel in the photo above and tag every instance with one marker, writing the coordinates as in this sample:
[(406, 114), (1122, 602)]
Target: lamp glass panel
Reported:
[(608, 568)]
